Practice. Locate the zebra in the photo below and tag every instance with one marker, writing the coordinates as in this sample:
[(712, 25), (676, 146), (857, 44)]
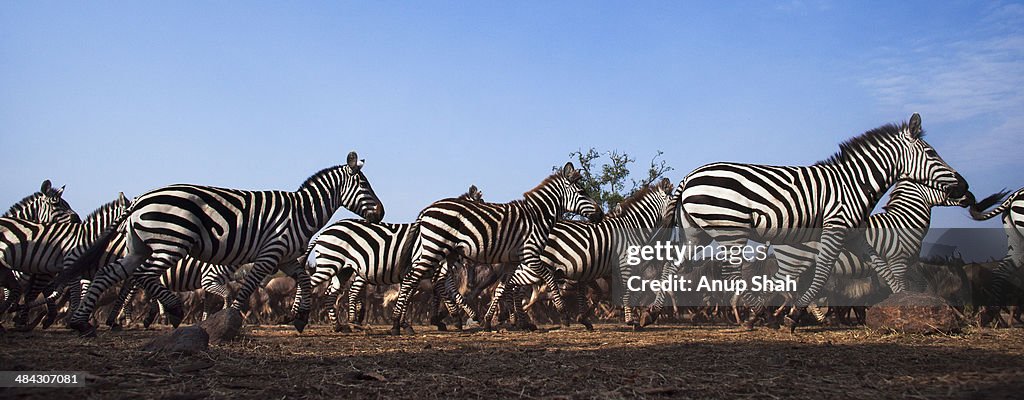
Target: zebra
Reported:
[(584, 252), (45, 206), (187, 275), (1011, 208), (494, 232), (732, 203), (227, 227), (44, 250), (376, 254)]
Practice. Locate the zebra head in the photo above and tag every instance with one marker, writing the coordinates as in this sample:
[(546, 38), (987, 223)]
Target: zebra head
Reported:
[(930, 196), (355, 192), (645, 205), (50, 206), (919, 162), (574, 198)]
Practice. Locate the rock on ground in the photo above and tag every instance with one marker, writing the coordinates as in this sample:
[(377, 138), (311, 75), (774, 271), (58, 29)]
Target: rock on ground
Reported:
[(184, 340), (223, 326), (907, 312)]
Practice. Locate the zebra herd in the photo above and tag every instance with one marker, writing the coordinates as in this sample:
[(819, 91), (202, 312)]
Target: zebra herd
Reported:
[(183, 237)]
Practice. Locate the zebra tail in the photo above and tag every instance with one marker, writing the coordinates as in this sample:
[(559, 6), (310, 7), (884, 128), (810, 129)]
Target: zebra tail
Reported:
[(978, 209), (669, 219)]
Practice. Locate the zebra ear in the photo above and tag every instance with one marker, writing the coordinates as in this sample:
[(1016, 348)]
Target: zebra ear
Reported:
[(570, 173), (121, 198), (353, 162), (473, 190), (914, 129), (665, 184), (59, 192), (45, 188)]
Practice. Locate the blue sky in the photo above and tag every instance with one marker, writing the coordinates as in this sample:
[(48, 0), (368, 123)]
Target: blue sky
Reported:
[(109, 97)]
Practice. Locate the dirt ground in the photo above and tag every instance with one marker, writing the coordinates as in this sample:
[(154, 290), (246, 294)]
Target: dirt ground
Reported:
[(611, 362)]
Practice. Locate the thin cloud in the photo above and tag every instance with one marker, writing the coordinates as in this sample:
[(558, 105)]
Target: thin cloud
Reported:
[(970, 80)]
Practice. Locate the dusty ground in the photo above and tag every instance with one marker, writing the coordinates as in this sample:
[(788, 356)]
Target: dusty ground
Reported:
[(676, 361)]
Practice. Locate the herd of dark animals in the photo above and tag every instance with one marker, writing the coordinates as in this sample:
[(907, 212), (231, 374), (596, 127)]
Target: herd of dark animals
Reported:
[(478, 276)]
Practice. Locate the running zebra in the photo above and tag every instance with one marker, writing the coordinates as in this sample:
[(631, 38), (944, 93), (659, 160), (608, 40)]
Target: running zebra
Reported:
[(228, 227), (187, 275), (1012, 210), (44, 250), (493, 233), (585, 252), (377, 254), (45, 206), (732, 203)]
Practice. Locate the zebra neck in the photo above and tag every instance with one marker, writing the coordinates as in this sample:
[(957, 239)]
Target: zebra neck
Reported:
[(869, 179), (909, 214), (542, 204), (314, 209)]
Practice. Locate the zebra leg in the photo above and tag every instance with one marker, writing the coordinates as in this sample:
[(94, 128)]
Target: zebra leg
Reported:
[(652, 313), (356, 297), (149, 278), (304, 292), (126, 292), (410, 281), (522, 318), (21, 318), (452, 287), (533, 263), (832, 240), (496, 298), (583, 304), (440, 303), (105, 278), (152, 312)]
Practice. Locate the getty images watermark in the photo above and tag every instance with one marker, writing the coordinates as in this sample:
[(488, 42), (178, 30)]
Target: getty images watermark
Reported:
[(677, 254)]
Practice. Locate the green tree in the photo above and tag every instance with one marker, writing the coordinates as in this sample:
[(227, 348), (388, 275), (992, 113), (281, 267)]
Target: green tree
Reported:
[(609, 183)]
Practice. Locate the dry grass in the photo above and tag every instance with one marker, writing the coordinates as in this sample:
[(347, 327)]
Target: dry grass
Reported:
[(676, 361)]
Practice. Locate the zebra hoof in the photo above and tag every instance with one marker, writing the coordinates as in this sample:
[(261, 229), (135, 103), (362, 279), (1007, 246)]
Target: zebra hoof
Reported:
[(84, 328), (587, 325), (396, 330), (793, 319), (343, 328), (648, 317), (566, 322), (301, 320), (441, 327), (115, 327), (407, 329), (174, 315), (48, 321)]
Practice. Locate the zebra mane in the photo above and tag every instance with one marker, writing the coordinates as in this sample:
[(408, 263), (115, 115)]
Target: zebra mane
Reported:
[(627, 204), (21, 204), (100, 210), (865, 140), (545, 182), (318, 174)]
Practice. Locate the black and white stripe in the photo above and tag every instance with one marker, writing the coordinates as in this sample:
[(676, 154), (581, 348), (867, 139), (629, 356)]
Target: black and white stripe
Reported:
[(584, 252), (732, 203), (229, 227), (492, 233)]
